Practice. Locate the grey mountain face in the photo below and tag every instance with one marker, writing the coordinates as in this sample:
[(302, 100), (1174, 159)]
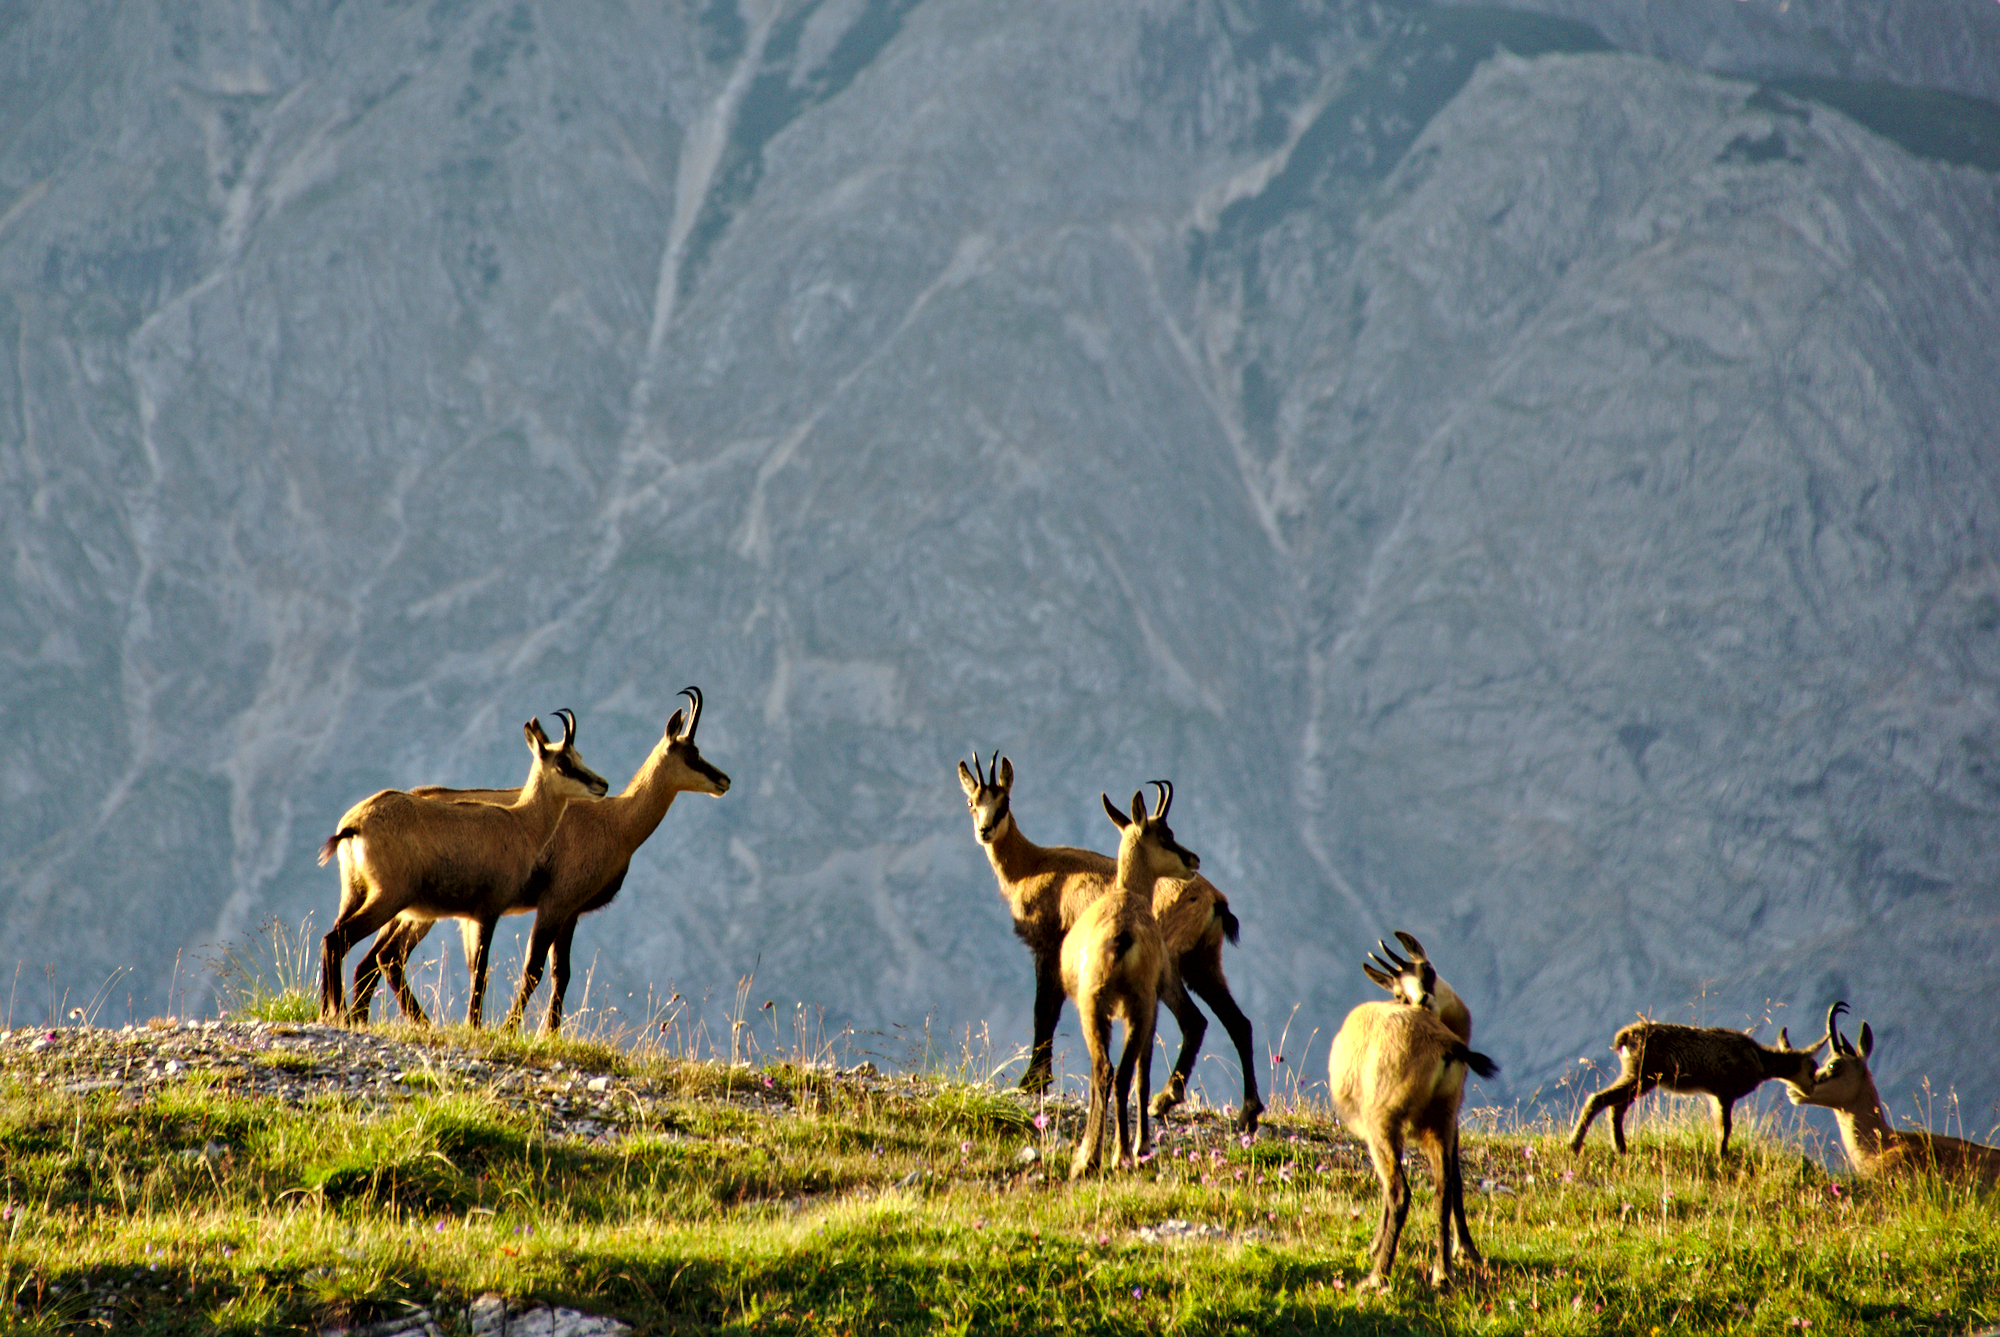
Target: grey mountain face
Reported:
[(1537, 495)]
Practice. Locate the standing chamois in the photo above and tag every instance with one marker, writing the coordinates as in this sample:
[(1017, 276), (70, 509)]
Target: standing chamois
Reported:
[(1047, 886), (1722, 1064), (1114, 964), (400, 852), (1874, 1147), (1396, 1071), (580, 870), (1417, 983)]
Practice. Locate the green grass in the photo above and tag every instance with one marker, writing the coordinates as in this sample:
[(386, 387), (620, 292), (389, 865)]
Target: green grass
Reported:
[(829, 1204)]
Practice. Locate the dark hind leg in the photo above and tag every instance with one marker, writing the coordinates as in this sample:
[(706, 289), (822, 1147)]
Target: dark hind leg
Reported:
[(1193, 1026), (1048, 1011), (395, 965), (540, 939), (346, 931), (559, 981), (1615, 1098), (1209, 985)]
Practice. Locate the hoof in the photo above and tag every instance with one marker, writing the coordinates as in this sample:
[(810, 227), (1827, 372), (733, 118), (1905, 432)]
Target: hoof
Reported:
[(1247, 1121), (1036, 1081)]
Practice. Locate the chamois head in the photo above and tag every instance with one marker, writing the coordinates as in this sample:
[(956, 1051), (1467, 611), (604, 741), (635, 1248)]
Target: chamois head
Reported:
[(1146, 844), (1414, 981), (685, 769), (986, 795), (558, 765), (1840, 1082)]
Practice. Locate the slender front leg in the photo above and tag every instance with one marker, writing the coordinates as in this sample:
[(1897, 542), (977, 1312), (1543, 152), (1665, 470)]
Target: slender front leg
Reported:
[(1048, 1011), (1193, 1026), (559, 985), (540, 939), (478, 945)]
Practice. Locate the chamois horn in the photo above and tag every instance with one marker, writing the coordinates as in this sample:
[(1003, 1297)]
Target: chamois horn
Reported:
[(693, 694)]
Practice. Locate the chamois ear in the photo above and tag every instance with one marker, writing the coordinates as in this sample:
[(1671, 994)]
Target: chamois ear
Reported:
[(1386, 981), (1118, 819), (1006, 773), (1784, 1041), (966, 782), (1867, 1041), (1820, 1044), (1138, 806), (674, 723), (538, 742)]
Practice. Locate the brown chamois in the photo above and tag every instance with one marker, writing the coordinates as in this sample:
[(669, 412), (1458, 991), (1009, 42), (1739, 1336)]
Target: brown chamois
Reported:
[(1047, 886), (1846, 1087), (1417, 983), (1712, 1061), (1115, 965), (399, 852), (1396, 1071), (581, 869)]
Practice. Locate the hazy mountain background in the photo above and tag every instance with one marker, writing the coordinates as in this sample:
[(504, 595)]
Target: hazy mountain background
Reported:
[(1528, 477)]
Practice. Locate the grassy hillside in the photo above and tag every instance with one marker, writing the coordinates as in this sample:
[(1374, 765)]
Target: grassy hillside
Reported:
[(278, 1175)]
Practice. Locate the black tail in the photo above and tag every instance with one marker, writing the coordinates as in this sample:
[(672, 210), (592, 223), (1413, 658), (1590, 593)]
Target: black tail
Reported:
[(1479, 1063), (332, 846), (1230, 926)]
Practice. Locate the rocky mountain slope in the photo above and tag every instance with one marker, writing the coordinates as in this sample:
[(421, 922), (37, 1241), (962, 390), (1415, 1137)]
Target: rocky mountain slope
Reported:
[(1530, 492)]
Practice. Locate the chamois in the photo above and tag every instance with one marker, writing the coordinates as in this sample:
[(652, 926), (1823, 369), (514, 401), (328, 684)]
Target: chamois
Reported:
[(583, 866), (1846, 1087), (1397, 1071), (1417, 983), (1114, 965), (1047, 886), (1722, 1064), (399, 852)]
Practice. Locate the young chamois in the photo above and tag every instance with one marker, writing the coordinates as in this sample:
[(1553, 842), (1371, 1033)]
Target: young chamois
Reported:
[(1397, 1072), (1722, 1064), (1047, 886), (1417, 983), (1846, 1087), (580, 870), (399, 852), (1114, 964)]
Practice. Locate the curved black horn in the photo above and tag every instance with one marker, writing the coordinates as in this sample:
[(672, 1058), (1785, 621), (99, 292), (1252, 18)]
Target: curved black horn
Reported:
[(693, 694), (1840, 1044), (1390, 953), (1166, 789), (975, 769), (568, 717)]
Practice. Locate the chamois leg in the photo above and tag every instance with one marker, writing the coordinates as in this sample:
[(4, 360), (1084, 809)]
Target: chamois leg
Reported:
[(1722, 1124), (1193, 1026), (1048, 1011), (346, 931), (1214, 990), (540, 939), (1436, 1150), (478, 947), (395, 963), (1385, 1150), (1456, 1170), (1097, 1036), (368, 973), (559, 982), (1146, 1079), (1615, 1098), (1139, 1019)]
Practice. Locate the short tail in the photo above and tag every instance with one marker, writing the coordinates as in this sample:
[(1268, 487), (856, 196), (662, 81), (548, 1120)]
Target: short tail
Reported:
[(1122, 944), (1479, 1063), (1230, 926), (332, 846)]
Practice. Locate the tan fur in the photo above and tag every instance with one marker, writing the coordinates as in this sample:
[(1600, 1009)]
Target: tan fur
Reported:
[(1722, 1064), (1874, 1147), (1114, 965), (580, 870), (1397, 1072), (399, 852), (1048, 887)]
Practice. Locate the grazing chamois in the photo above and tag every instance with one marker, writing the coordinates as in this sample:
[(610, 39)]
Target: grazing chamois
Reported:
[(1846, 1087), (581, 869), (399, 852), (1416, 982), (1712, 1061), (1047, 886), (1398, 1072), (1114, 965)]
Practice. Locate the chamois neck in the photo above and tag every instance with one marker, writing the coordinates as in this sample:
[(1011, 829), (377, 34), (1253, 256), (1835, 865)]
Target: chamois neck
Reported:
[(1013, 856), (538, 807), (1864, 1129), (649, 793)]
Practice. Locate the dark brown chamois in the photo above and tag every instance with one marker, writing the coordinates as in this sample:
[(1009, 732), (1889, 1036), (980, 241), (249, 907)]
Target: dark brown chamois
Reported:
[(1713, 1061)]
